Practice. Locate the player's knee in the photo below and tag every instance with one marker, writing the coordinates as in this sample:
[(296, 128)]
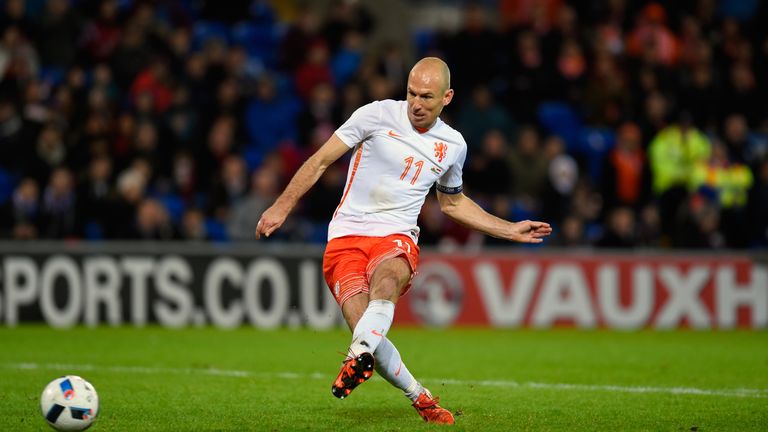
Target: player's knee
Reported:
[(387, 288)]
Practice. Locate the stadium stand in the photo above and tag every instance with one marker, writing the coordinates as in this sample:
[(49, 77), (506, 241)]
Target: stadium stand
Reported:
[(146, 84)]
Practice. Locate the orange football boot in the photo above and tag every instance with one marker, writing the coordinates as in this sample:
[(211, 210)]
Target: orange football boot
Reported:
[(354, 371), (430, 411)]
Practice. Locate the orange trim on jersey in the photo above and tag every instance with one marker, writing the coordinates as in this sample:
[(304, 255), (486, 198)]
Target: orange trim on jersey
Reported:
[(358, 156), (421, 130)]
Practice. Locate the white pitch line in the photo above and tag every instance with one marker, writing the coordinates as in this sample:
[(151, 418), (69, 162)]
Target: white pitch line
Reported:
[(78, 368)]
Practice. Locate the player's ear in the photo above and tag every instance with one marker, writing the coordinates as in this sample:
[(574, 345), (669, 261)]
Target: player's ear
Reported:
[(448, 96)]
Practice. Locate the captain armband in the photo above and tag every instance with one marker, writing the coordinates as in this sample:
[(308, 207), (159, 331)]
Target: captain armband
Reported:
[(449, 190)]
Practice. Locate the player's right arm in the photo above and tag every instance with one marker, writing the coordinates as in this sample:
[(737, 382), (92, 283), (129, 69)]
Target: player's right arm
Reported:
[(305, 178)]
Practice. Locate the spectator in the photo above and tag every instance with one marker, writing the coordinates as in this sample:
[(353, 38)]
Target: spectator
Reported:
[(649, 227), (530, 79), (59, 32), (59, 216), (528, 165), (131, 56), (736, 139), (727, 183), (96, 196), (22, 216), (229, 189), (219, 146), (620, 232), (101, 36), (193, 226), (651, 34), (320, 111), (673, 154), (315, 70), (14, 151), (51, 152), (154, 80), (562, 178), (571, 233), (758, 208), (346, 61), (242, 222), (270, 118), (626, 174), (300, 34), (15, 16), (131, 186), (19, 62), (701, 96), (474, 44), (152, 222), (482, 114)]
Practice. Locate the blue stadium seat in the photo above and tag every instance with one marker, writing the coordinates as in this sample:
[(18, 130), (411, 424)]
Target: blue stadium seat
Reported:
[(593, 145), (253, 157), (94, 231), (203, 31), (425, 40), (561, 119), (217, 231), (51, 75), (757, 146), (174, 205), (318, 233), (259, 40), (7, 185)]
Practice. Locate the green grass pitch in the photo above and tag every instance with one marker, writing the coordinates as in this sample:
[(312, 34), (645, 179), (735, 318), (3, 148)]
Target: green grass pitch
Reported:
[(205, 379)]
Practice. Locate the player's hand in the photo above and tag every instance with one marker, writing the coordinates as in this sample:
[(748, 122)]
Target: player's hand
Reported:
[(530, 231), (270, 220)]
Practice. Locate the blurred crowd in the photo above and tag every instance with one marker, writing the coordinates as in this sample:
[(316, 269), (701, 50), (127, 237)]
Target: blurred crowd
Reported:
[(623, 123)]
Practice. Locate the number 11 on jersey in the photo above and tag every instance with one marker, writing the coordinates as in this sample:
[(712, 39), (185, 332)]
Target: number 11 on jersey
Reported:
[(408, 162)]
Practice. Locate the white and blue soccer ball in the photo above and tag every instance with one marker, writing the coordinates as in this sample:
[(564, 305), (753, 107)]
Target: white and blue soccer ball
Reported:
[(69, 403)]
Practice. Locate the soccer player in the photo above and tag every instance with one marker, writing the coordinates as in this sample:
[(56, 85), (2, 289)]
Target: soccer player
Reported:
[(401, 148)]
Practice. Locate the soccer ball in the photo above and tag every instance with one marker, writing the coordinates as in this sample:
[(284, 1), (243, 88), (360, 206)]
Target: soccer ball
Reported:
[(69, 403)]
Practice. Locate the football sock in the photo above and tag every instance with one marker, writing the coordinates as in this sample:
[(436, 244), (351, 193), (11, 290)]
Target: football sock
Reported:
[(390, 366), (372, 327)]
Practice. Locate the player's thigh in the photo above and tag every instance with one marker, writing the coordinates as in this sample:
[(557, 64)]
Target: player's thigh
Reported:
[(390, 278), (393, 262)]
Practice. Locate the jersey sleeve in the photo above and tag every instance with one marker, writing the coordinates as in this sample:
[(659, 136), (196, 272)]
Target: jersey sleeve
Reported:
[(451, 182), (360, 125)]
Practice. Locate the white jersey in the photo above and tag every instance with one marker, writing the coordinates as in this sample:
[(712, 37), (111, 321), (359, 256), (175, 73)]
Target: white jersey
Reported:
[(393, 168)]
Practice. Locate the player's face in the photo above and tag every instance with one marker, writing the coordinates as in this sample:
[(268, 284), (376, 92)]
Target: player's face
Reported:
[(426, 98)]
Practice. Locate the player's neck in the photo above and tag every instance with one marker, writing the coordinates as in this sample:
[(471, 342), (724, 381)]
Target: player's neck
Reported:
[(422, 130)]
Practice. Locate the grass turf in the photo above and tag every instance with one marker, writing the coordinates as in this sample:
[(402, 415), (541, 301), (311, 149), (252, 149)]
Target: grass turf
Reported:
[(157, 379)]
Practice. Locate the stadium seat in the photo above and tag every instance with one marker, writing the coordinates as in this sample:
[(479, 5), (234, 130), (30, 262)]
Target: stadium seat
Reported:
[(593, 145), (174, 205), (259, 40), (757, 146), (51, 75), (318, 233), (7, 185), (561, 119), (93, 231), (217, 231), (203, 31), (425, 40)]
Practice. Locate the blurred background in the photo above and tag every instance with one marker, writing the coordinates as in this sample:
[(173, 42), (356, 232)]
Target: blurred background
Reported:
[(623, 123), (140, 142)]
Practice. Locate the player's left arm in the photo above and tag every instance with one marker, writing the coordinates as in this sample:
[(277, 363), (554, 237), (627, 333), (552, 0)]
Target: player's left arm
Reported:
[(465, 211)]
